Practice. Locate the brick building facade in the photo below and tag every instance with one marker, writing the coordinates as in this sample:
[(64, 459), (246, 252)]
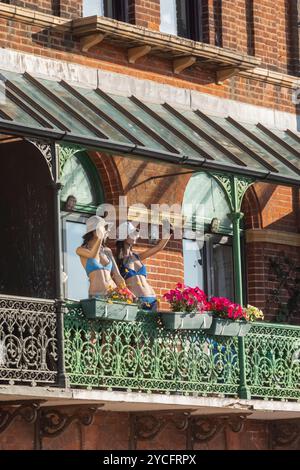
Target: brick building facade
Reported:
[(246, 68)]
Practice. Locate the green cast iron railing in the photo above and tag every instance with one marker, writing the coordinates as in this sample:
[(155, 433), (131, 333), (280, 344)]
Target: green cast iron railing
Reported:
[(272, 355), (142, 356)]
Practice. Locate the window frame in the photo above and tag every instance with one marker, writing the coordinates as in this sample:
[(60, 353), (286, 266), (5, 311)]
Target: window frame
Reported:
[(193, 12), (95, 181), (119, 10), (81, 212), (115, 9)]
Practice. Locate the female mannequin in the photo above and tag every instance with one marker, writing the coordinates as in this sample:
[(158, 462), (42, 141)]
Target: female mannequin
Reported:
[(132, 268), (98, 260)]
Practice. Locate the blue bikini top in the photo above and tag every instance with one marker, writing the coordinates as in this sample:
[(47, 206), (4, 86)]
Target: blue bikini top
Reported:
[(126, 272), (93, 264)]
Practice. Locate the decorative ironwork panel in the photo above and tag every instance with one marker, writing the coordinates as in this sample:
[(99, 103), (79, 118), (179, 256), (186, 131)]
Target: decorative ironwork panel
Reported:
[(234, 187), (66, 152), (143, 356), (45, 149), (28, 341), (273, 361)]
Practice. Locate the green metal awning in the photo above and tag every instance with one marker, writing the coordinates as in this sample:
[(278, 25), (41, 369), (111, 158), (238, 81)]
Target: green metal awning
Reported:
[(35, 107)]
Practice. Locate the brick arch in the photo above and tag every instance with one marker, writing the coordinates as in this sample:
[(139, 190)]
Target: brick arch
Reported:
[(251, 209), (110, 177)]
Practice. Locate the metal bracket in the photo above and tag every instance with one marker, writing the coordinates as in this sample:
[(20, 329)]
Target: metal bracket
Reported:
[(27, 411), (52, 422)]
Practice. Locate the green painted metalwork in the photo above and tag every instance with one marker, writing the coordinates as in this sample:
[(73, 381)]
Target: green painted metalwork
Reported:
[(235, 188), (66, 152), (142, 356), (272, 355)]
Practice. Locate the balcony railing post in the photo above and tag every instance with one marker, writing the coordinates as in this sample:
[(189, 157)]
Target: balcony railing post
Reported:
[(62, 378), (236, 216)]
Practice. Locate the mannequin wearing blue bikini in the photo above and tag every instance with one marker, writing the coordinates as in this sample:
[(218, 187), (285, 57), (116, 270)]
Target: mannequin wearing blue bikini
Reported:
[(132, 268), (98, 260)]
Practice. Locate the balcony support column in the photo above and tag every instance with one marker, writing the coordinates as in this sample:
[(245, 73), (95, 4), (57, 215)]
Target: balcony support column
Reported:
[(235, 188), (62, 378)]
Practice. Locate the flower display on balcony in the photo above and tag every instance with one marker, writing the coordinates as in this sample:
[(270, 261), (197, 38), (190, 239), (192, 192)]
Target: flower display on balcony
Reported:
[(120, 294), (192, 299), (186, 299), (253, 313), (226, 309)]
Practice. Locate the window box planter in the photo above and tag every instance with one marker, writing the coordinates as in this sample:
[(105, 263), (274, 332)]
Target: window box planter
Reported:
[(224, 327), (103, 310), (186, 321)]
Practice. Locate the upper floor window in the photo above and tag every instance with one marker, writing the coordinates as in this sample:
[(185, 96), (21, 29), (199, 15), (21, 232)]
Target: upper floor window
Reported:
[(208, 261), (116, 9), (182, 18), (80, 196)]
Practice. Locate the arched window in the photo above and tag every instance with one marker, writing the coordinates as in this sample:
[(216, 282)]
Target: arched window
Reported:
[(208, 261), (80, 196)]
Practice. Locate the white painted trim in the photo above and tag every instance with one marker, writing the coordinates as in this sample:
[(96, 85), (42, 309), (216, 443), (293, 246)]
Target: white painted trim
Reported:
[(147, 90)]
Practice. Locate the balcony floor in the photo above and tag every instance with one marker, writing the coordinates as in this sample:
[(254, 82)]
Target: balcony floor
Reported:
[(120, 401)]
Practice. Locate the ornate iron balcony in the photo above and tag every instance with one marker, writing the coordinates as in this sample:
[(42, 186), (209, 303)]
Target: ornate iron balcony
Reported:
[(142, 356), (28, 341)]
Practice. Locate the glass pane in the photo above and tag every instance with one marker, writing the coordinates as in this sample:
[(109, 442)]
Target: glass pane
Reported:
[(182, 19), (168, 17), (85, 112), (222, 140), (192, 135), (204, 192), (251, 144), (76, 183), (156, 126), (77, 283), (120, 119), (14, 111), (193, 264), (223, 271), (48, 104), (92, 7)]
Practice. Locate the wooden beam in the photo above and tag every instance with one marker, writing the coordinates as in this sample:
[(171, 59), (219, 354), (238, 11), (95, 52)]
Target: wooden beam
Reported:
[(87, 42), (183, 63), (226, 73), (135, 53)]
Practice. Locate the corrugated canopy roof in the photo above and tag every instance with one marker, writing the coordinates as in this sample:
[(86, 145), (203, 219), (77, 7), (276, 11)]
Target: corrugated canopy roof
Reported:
[(126, 125)]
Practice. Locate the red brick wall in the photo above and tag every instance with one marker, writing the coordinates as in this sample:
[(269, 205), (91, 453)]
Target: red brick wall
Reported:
[(62, 46), (272, 36), (265, 206), (65, 8), (111, 431), (234, 25), (275, 208), (147, 13)]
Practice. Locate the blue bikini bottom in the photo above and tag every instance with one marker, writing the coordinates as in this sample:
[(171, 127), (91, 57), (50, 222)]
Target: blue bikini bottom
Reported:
[(148, 303)]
